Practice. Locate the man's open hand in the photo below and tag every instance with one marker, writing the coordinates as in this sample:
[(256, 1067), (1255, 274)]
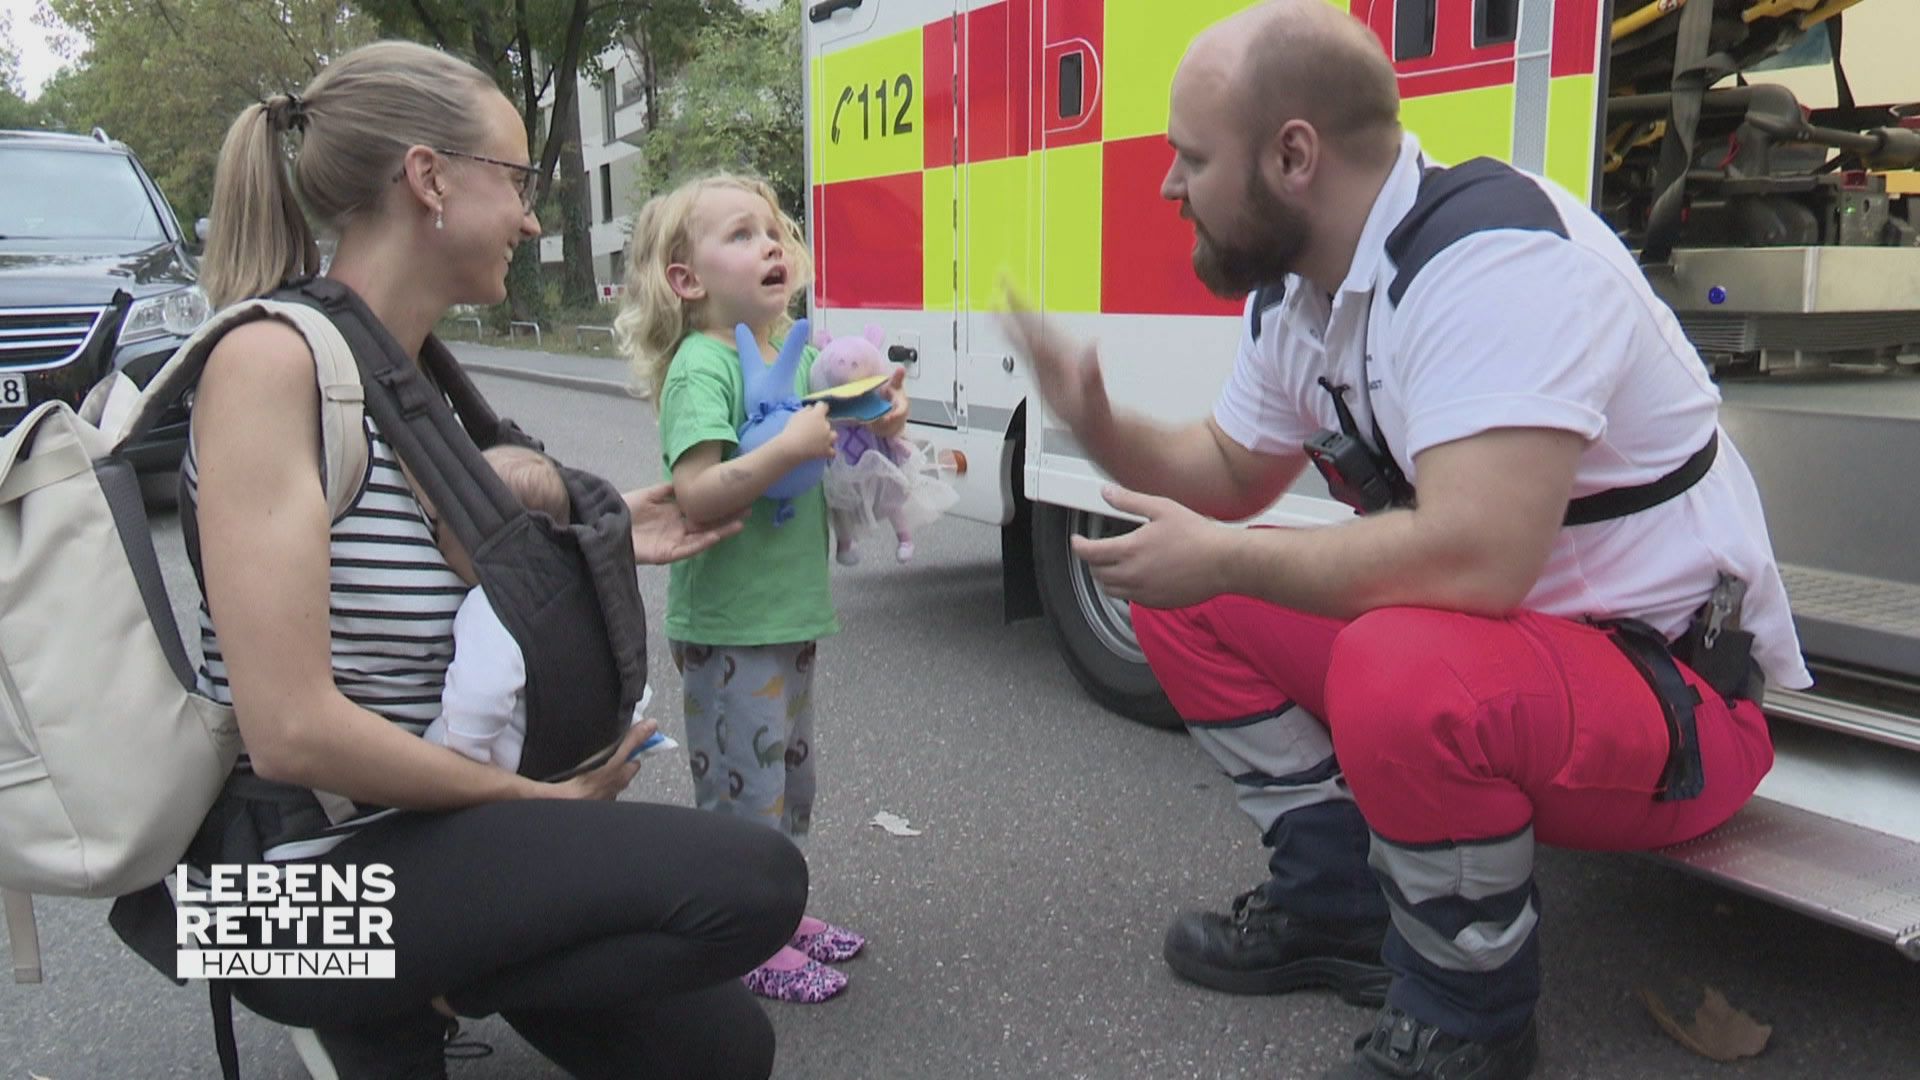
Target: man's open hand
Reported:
[(1171, 561), (1066, 371)]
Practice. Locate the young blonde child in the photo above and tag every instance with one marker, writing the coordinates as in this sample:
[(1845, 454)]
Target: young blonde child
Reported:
[(743, 618)]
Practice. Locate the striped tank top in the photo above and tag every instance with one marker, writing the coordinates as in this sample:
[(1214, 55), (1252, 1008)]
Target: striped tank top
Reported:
[(390, 607)]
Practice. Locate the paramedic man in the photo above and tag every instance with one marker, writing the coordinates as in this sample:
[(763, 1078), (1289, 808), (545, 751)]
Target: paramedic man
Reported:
[(1407, 702)]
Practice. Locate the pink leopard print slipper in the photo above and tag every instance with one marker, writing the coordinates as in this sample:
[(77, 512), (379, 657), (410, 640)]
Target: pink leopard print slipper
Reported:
[(830, 944), (809, 984)]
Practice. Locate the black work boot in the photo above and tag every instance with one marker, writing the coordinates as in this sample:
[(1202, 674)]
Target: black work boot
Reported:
[(1402, 1047), (1258, 949)]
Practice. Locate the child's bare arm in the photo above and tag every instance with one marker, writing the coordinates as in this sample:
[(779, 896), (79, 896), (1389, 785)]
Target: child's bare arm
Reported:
[(711, 490)]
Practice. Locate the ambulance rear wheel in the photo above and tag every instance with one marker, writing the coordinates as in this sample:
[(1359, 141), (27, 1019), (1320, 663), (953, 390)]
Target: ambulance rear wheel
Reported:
[(1094, 629)]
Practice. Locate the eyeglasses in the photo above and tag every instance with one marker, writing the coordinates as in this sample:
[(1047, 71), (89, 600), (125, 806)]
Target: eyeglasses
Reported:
[(527, 180)]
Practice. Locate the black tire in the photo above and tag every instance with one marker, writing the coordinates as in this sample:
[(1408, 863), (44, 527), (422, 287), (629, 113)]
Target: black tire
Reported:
[(1093, 630)]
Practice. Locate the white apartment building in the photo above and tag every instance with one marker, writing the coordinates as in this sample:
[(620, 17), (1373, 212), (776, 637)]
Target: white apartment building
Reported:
[(612, 112), (611, 115)]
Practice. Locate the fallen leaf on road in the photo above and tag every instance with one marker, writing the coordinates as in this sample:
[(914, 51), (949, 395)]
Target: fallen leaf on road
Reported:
[(1718, 1031), (894, 824)]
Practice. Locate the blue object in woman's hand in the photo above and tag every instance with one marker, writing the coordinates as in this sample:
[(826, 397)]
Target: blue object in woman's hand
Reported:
[(657, 743)]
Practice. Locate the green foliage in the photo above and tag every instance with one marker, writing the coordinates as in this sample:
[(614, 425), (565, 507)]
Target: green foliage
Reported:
[(737, 105), (168, 78), (18, 113), (534, 49), (15, 110)]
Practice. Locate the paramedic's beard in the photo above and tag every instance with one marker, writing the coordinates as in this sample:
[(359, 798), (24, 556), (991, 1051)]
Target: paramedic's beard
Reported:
[(1262, 252)]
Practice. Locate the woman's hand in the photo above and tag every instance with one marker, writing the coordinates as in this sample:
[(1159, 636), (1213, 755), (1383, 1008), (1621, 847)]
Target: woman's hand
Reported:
[(662, 534), (612, 777), (891, 425)]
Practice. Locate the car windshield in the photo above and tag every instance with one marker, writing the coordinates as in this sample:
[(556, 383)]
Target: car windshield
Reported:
[(62, 194)]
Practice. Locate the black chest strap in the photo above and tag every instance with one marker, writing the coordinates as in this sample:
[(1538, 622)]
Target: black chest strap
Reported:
[(1585, 510), (1453, 204), (1619, 502)]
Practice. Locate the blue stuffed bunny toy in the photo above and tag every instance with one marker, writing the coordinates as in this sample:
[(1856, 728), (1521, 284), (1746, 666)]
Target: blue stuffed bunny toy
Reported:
[(771, 402)]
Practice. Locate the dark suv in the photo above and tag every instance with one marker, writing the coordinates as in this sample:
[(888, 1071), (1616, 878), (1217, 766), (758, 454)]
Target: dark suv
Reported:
[(95, 276)]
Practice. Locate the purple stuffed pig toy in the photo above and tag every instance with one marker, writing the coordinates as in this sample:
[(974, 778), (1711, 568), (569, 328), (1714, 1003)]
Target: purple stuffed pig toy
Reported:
[(867, 478)]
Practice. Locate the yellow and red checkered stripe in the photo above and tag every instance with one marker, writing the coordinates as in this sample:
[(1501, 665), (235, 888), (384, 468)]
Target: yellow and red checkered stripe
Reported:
[(965, 117)]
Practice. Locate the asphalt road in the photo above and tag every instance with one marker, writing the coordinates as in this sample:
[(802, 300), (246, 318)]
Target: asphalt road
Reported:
[(1019, 934)]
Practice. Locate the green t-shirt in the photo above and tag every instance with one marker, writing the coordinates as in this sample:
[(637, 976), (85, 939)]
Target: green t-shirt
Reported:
[(766, 585)]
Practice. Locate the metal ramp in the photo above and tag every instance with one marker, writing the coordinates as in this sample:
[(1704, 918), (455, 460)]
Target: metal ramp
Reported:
[(1867, 621), (1832, 456), (1837, 872)]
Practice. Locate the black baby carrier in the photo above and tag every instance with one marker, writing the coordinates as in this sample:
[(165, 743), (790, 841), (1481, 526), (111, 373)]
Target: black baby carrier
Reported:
[(567, 593)]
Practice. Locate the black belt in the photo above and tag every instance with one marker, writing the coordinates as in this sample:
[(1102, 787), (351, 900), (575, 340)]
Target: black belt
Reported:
[(1650, 655), (1619, 502), (1717, 650)]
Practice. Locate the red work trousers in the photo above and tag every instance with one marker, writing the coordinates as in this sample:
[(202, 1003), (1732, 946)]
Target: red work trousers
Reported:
[(1453, 727)]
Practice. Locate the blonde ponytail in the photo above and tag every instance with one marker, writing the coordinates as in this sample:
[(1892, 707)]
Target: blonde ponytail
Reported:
[(260, 237), (353, 124)]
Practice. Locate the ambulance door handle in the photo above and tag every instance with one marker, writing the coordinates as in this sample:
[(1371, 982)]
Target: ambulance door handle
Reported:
[(824, 10), (902, 354)]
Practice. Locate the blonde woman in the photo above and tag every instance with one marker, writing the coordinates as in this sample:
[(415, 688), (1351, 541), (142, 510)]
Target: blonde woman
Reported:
[(611, 935)]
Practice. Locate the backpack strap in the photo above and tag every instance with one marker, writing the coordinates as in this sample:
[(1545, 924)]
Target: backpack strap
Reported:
[(220, 1001), (1265, 299), (343, 440), (1481, 195), (126, 412), (22, 935)]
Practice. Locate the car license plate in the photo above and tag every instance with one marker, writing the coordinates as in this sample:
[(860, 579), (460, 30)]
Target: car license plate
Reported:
[(13, 391)]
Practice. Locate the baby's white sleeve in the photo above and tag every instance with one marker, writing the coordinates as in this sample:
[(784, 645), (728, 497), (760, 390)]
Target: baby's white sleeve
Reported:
[(484, 682)]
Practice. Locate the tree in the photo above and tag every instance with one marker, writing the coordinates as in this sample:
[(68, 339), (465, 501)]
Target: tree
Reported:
[(664, 37), (577, 287), (736, 105), (15, 110), (536, 50), (162, 76)]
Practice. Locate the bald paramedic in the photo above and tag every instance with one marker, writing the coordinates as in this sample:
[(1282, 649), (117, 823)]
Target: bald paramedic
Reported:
[(1552, 618)]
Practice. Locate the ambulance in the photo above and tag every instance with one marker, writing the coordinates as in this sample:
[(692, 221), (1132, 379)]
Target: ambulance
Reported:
[(954, 143)]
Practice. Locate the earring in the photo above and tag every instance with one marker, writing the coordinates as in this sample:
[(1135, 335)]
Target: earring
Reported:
[(440, 219)]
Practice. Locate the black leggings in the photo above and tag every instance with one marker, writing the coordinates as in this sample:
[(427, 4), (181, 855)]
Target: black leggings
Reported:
[(611, 935)]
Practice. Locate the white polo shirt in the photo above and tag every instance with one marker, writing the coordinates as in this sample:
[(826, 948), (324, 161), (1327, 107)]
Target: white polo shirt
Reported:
[(1550, 325)]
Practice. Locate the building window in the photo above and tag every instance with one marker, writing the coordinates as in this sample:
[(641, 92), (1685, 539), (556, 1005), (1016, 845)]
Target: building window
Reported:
[(606, 112), (606, 192)]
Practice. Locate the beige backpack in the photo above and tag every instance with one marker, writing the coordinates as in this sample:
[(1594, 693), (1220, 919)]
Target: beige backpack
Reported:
[(109, 758)]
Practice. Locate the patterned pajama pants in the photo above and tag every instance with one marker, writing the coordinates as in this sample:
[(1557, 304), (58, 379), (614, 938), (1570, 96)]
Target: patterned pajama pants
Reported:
[(749, 713)]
